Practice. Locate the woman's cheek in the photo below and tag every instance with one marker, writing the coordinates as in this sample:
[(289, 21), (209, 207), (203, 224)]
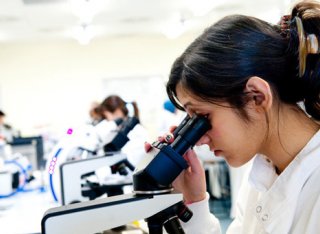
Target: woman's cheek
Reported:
[(203, 140), (214, 133)]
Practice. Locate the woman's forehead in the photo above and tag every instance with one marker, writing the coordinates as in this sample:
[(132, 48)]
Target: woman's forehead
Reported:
[(186, 96)]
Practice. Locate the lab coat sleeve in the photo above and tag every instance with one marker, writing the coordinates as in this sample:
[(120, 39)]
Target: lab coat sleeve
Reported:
[(202, 221)]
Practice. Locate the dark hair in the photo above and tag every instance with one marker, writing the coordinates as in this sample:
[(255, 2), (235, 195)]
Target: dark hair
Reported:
[(2, 113), (97, 111), (218, 64), (114, 102)]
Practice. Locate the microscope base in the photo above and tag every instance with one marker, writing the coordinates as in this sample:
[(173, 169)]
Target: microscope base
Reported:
[(104, 214)]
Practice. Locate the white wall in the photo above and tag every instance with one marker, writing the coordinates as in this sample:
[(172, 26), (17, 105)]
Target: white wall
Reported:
[(50, 85)]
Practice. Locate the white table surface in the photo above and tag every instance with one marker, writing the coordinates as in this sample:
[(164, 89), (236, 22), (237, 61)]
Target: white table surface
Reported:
[(22, 213)]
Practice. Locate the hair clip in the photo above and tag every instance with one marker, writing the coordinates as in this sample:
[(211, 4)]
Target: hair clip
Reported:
[(285, 22), (307, 45), (284, 25)]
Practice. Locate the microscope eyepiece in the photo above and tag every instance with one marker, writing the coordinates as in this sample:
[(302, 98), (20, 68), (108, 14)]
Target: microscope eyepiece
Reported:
[(190, 133), (168, 162)]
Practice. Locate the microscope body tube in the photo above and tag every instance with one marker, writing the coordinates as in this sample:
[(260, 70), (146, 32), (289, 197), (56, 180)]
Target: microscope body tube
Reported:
[(168, 162), (181, 125)]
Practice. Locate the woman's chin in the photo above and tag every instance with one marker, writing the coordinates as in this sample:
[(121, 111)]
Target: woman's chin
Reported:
[(233, 163), (229, 159)]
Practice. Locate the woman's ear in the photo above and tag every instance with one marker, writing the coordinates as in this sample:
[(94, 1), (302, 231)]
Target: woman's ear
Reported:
[(259, 90)]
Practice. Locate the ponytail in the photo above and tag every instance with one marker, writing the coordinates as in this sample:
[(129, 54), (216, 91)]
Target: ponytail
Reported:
[(135, 108), (304, 33)]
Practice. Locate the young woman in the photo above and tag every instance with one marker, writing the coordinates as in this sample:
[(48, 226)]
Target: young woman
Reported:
[(114, 108), (259, 85)]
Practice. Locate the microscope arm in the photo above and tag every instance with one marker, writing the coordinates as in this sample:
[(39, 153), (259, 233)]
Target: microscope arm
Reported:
[(106, 213), (71, 172)]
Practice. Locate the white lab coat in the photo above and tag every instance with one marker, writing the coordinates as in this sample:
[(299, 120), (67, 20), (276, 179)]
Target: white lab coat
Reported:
[(268, 203), (134, 149)]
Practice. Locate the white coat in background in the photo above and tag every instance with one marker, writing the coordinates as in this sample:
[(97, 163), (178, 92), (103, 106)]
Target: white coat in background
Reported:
[(92, 138), (133, 149)]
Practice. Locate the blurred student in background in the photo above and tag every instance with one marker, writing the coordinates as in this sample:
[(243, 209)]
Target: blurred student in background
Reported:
[(6, 131), (114, 108)]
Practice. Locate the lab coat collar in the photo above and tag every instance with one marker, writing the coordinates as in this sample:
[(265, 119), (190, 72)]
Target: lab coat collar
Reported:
[(279, 194)]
